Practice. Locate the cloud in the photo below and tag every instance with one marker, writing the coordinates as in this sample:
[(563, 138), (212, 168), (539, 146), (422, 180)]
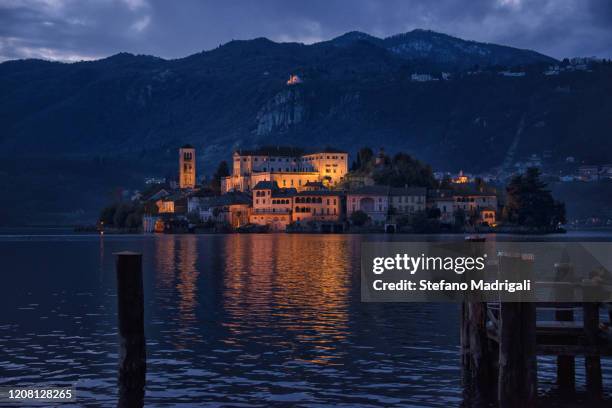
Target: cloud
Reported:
[(141, 24), (68, 29), (12, 48), (135, 4)]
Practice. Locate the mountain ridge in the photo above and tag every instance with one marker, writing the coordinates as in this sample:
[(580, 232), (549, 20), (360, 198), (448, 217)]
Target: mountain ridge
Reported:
[(343, 39)]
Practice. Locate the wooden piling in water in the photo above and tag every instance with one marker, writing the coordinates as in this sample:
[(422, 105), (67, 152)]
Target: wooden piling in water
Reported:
[(592, 362), (478, 372), (132, 346), (477, 375), (566, 364), (518, 378)]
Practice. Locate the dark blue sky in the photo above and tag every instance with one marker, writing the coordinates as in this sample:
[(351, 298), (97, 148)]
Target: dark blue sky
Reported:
[(78, 29)]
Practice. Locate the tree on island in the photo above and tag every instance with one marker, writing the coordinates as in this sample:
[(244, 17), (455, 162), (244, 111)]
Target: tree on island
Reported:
[(530, 203), (221, 172), (404, 170), (364, 160), (122, 215)]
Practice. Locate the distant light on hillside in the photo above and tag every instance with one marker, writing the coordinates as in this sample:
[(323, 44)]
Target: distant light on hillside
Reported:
[(294, 80)]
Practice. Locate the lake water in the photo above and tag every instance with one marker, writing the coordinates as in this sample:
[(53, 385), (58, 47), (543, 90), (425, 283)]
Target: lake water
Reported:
[(231, 320)]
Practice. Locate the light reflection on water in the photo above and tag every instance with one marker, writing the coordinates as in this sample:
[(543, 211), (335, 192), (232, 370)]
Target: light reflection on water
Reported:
[(256, 320)]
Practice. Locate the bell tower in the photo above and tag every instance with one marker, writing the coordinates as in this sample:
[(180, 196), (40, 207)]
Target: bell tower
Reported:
[(187, 167)]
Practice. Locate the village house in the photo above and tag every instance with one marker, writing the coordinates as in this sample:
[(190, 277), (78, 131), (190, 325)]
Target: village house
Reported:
[(481, 207), (317, 206), (233, 209), (480, 204), (172, 204), (287, 166), (272, 206), (380, 203), (470, 201), (444, 201)]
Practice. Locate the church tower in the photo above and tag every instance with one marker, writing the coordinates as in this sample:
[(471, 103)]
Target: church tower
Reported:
[(187, 167)]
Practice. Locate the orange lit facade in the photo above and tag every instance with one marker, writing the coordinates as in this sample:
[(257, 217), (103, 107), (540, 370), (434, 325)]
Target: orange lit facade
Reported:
[(272, 205), (487, 215), (288, 167), (187, 167), (461, 178), (317, 206), (175, 204), (278, 207), (165, 206), (294, 80)]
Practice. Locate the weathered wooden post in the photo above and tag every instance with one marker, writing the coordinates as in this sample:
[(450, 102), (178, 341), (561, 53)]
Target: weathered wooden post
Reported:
[(477, 376), (132, 346), (592, 362), (517, 345), (566, 364)]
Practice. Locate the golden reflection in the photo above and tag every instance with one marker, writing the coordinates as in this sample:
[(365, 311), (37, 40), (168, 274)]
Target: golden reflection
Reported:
[(297, 283), (176, 283), (187, 277), (164, 260)]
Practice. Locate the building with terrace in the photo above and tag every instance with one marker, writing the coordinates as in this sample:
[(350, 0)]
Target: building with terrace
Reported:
[(289, 167)]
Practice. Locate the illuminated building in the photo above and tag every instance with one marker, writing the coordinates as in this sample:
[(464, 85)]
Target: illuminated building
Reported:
[(317, 206), (288, 167), (294, 80), (187, 167), (278, 207), (461, 178)]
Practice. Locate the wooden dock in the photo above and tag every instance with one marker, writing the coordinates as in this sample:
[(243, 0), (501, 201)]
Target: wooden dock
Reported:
[(500, 342)]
